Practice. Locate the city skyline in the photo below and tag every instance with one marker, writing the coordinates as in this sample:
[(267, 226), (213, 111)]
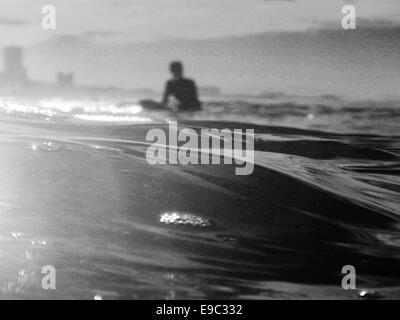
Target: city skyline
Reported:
[(14, 78), (245, 46)]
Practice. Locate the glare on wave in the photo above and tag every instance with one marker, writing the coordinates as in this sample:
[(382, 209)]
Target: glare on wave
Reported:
[(102, 111), (88, 106), (112, 118), (111, 108), (25, 108), (60, 104)]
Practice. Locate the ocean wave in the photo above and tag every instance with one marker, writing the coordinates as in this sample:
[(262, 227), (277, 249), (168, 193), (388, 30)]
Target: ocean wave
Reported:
[(80, 195)]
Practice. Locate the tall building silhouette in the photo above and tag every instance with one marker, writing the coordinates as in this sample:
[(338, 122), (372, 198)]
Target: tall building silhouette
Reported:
[(14, 70)]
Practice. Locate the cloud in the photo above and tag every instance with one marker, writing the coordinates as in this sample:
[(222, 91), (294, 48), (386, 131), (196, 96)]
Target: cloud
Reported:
[(121, 22), (10, 22), (328, 60)]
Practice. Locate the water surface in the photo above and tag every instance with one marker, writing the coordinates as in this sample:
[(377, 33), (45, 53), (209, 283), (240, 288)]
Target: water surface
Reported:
[(77, 193)]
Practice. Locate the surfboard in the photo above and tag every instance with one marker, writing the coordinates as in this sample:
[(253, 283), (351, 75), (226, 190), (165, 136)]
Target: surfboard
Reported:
[(152, 105)]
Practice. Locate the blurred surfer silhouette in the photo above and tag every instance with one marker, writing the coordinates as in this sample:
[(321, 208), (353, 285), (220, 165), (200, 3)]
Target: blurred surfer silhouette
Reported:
[(180, 93)]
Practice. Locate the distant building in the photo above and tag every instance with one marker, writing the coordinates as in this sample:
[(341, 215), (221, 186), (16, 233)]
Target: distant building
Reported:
[(14, 71), (14, 81), (65, 79)]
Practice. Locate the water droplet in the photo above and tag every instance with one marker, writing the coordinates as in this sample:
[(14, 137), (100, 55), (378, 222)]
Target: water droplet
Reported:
[(369, 294), (178, 218), (28, 254), (16, 234), (38, 242), (45, 146)]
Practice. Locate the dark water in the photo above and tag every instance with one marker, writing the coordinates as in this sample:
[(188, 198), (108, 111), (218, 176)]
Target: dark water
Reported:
[(77, 193)]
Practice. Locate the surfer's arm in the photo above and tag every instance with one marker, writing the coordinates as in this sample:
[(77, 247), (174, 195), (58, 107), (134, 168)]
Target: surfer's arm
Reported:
[(167, 92), (196, 95)]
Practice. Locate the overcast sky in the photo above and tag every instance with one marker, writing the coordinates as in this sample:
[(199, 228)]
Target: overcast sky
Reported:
[(240, 45)]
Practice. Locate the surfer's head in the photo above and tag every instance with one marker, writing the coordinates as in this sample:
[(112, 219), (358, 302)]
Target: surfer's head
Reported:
[(176, 68)]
